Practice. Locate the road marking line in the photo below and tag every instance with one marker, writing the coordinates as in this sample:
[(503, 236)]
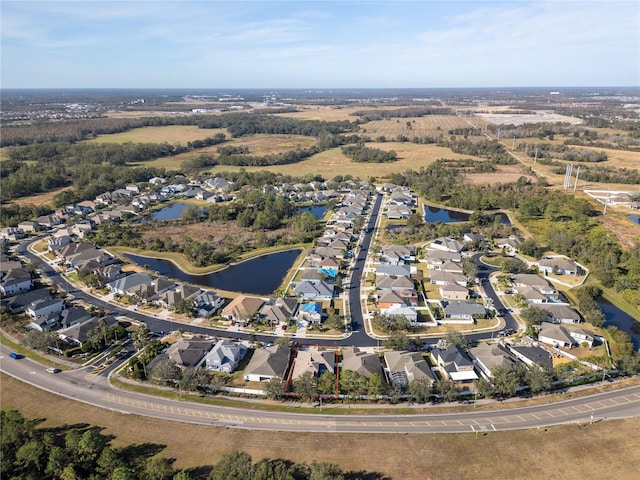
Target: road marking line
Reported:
[(535, 416), (563, 412), (550, 414), (505, 419), (521, 418), (459, 422)]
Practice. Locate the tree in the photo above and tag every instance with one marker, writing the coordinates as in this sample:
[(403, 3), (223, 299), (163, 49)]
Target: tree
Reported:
[(182, 475), (233, 466), (325, 471), (38, 340), (90, 447), (165, 371), (377, 385), (456, 339), (30, 456), (327, 383), (353, 384), (533, 315), (272, 470), (419, 390), (158, 468), (274, 388), (539, 379), (306, 385), (446, 388), (397, 341), (485, 388), (507, 379)]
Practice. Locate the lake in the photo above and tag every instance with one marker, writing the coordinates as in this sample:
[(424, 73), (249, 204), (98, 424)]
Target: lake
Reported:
[(259, 276), (635, 219), (170, 212), (317, 210), (616, 317), (444, 215)]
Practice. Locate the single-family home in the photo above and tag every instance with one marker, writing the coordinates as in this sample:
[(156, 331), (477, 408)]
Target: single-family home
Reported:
[(531, 280), (436, 258), (364, 363), (393, 270), (559, 266), (397, 254), (561, 336), (81, 332), (401, 311), (453, 291), (224, 356), (267, 363), (461, 311), (188, 352), (318, 290), (129, 284), (398, 212), (404, 367), (509, 244), (14, 280), (313, 359), (242, 309), (438, 277), (278, 310), (487, 356), (455, 364), (73, 316), (44, 307), (447, 245), (560, 313), (206, 303), (532, 355), (29, 226)]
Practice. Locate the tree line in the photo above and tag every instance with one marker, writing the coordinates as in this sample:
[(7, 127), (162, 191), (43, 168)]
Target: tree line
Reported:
[(33, 452)]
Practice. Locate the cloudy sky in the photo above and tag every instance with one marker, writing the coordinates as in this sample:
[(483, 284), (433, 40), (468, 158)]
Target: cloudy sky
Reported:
[(307, 44)]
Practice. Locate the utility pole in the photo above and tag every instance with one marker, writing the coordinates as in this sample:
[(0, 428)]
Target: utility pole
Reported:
[(513, 145), (535, 159), (575, 185)]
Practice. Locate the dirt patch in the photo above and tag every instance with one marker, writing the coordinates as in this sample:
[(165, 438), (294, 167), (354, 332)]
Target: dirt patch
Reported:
[(40, 199), (580, 452)]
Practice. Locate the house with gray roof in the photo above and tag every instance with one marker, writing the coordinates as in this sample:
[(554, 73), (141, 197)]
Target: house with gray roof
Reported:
[(364, 363), (278, 310), (447, 245), (317, 290), (532, 355), (456, 365), (461, 311), (315, 360), (80, 332), (487, 356), (224, 356), (560, 313), (268, 363), (438, 277), (129, 284), (435, 258), (188, 353), (561, 336), (73, 316), (393, 270), (404, 367), (397, 254), (558, 265)]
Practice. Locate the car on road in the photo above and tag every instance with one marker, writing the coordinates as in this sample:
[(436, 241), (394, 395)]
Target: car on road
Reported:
[(16, 356), (53, 370)]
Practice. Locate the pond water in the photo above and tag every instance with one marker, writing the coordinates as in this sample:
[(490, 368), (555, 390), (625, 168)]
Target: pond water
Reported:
[(635, 219), (444, 215), (616, 317), (259, 276), (317, 210), (170, 212)]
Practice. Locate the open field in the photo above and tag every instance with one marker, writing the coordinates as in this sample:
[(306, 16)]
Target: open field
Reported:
[(332, 162), (40, 198), (420, 126), (579, 452), (170, 134)]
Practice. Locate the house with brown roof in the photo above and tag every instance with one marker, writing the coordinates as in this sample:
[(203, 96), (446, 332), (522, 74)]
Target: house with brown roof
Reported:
[(267, 363), (242, 309), (404, 367), (313, 359), (364, 363)]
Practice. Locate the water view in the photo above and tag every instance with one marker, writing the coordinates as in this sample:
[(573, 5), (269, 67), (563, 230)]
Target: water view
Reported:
[(635, 219), (170, 212), (445, 215), (625, 322), (259, 276), (317, 210)]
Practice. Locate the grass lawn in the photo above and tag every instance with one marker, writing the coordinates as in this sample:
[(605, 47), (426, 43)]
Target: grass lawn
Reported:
[(580, 452)]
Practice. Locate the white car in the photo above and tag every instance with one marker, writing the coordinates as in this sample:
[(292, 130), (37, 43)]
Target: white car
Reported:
[(53, 370)]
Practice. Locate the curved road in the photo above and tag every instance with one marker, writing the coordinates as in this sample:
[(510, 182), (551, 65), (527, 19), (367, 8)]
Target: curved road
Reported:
[(95, 390)]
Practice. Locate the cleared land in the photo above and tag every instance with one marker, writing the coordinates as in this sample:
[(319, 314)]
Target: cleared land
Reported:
[(580, 452), (414, 126), (171, 134), (40, 199)]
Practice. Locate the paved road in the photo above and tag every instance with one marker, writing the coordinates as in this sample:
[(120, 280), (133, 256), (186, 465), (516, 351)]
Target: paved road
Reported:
[(87, 387)]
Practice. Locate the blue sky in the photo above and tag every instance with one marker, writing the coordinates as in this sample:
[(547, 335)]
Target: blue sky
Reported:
[(307, 44)]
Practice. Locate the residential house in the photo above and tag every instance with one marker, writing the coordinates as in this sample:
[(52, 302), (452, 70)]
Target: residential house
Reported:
[(438, 277), (453, 291), (224, 356), (393, 270), (56, 243), (29, 226), (11, 234), (309, 313), (129, 284), (48, 221), (44, 308), (402, 311), (73, 315), (510, 244), (559, 266), (206, 303), (398, 212), (267, 363), (169, 298), (455, 364), (315, 260), (534, 295), (532, 280), (364, 363), (188, 352), (19, 303), (14, 280), (561, 336), (278, 310), (460, 311), (447, 245), (315, 360), (313, 290), (391, 282), (436, 258), (242, 309), (532, 355), (487, 356), (397, 254), (81, 332), (560, 313), (404, 367)]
